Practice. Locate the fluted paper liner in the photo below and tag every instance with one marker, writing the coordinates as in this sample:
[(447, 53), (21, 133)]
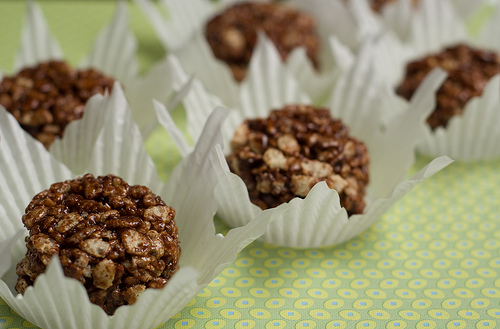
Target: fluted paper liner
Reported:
[(475, 134), (182, 33), (180, 25), (352, 21), (115, 147), (113, 53), (319, 220), (184, 18), (468, 137), (253, 97)]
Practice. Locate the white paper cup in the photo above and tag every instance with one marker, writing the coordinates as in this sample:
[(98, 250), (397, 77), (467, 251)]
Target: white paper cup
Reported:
[(357, 98), (108, 141), (468, 137), (113, 53)]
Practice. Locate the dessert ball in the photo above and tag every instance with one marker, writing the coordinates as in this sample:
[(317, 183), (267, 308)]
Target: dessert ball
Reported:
[(469, 70), (283, 156), (116, 239), (46, 97), (233, 33)]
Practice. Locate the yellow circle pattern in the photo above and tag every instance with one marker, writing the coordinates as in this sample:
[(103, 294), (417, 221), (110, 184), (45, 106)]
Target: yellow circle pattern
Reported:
[(421, 276)]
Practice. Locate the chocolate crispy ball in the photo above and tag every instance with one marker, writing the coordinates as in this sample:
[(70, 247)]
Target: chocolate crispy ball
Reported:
[(469, 70), (283, 156), (45, 98), (116, 239), (232, 34)]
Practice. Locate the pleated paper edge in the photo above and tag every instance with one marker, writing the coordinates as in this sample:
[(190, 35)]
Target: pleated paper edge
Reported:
[(210, 253), (234, 205), (331, 225), (477, 119), (318, 220), (472, 136), (197, 59), (175, 22), (113, 53), (268, 85), (104, 157)]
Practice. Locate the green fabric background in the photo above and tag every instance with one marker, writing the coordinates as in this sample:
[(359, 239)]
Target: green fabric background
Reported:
[(431, 262)]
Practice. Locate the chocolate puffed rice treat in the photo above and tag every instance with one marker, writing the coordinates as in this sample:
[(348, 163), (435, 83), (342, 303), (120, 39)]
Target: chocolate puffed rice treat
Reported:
[(469, 70), (283, 156), (116, 239), (46, 97), (232, 35)]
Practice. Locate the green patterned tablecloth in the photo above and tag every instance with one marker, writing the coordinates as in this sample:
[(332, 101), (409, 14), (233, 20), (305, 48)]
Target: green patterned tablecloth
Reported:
[(431, 262)]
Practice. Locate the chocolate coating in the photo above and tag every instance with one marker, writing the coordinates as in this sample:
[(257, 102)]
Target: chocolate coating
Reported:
[(469, 70), (283, 156), (48, 96), (116, 239), (233, 33)]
